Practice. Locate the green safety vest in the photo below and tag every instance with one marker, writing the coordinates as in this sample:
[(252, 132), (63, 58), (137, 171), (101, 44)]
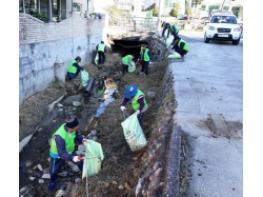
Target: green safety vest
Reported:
[(135, 104), (69, 141), (71, 68), (126, 59), (101, 47), (185, 44), (146, 56)]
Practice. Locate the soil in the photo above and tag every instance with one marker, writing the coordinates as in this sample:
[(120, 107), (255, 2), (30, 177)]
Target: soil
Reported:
[(121, 167)]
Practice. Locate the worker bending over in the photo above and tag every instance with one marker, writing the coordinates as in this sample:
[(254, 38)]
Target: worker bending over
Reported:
[(181, 47), (73, 68), (134, 95), (126, 63), (62, 148)]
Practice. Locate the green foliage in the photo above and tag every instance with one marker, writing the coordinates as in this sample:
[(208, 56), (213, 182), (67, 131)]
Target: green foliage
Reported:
[(189, 11), (155, 11), (213, 7), (236, 10), (174, 12), (76, 6), (40, 16)]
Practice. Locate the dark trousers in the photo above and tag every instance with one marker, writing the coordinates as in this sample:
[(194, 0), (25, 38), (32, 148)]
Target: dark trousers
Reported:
[(55, 166), (145, 66), (124, 69), (181, 51), (101, 57)]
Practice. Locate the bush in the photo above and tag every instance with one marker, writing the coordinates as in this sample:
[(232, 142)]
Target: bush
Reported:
[(189, 11), (174, 12), (155, 11)]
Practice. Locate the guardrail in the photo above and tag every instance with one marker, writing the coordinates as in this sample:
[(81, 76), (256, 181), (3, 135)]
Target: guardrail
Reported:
[(141, 24)]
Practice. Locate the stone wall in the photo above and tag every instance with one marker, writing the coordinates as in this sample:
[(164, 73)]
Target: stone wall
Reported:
[(45, 49)]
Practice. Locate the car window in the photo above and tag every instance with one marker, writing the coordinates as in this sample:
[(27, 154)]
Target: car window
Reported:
[(224, 19)]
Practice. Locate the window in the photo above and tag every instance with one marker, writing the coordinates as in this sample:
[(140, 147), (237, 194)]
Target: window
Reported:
[(224, 19)]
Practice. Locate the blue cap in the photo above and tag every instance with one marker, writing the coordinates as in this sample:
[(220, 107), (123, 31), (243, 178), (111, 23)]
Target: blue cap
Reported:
[(130, 91)]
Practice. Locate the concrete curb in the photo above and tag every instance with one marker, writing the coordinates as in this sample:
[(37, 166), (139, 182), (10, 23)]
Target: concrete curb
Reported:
[(173, 164)]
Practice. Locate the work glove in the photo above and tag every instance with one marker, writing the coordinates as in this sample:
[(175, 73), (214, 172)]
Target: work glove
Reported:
[(84, 140), (77, 158), (138, 112), (123, 108)]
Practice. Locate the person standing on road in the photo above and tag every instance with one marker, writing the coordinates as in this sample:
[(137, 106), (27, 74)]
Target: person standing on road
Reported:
[(62, 148), (73, 69), (145, 59), (134, 95), (101, 52), (181, 47)]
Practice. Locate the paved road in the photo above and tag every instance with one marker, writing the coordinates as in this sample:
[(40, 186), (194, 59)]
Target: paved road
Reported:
[(208, 87)]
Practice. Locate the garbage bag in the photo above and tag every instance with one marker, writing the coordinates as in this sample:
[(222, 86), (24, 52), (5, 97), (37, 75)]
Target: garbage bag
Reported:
[(131, 67), (84, 78), (133, 133), (96, 60), (174, 55), (93, 158)]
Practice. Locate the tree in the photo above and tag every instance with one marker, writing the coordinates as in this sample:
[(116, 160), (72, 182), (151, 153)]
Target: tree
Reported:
[(189, 11), (155, 11), (174, 12)]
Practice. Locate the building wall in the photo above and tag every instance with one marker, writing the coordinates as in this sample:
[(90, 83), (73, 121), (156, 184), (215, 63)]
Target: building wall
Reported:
[(46, 49)]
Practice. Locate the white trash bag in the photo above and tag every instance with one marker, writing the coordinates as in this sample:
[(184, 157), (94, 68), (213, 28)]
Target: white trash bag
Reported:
[(133, 133)]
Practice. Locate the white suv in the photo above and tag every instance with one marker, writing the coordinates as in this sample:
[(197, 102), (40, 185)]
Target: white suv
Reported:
[(223, 26)]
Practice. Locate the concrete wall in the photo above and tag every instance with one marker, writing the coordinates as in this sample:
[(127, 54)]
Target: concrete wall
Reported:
[(46, 48)]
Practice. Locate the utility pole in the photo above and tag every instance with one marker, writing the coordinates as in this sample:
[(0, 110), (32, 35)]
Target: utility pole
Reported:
[(159, 15), (222, 5)]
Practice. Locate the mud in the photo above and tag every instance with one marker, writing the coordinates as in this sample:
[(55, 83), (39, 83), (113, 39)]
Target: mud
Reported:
[(121, 167)]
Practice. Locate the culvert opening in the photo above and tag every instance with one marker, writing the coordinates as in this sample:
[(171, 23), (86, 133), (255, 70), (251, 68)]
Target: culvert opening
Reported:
[(128, 46), (121, 168)]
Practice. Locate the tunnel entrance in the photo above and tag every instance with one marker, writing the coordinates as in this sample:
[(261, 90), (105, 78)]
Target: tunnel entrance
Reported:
[(127, 46)]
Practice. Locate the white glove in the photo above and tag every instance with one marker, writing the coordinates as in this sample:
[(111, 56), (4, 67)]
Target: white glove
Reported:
[(138, 112), (123, 108), (84, 140), (76, 158)]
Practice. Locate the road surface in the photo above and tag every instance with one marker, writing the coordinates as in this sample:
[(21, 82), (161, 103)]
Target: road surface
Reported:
[(209, 92)]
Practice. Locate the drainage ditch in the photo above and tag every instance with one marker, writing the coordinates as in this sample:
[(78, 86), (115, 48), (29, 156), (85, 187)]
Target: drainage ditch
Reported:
[(124, 173)]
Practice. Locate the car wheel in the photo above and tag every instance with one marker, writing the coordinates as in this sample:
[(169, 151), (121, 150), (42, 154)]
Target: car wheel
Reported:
[(235, 42), (206, 40)]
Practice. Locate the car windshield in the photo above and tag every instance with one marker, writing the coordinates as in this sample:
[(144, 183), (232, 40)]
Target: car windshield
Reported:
[(224, 19)]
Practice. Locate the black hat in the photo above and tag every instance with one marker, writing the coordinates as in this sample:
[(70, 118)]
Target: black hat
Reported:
[(72, 122), (78, 59)]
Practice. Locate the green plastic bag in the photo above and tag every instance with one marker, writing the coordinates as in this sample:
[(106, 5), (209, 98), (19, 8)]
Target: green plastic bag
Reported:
[(84, 78), (133, 133), (131, 67), (96, 60), (93, 158), (174, 55)]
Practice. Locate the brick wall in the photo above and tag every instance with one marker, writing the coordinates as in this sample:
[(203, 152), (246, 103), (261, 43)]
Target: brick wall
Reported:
[(46, 49)]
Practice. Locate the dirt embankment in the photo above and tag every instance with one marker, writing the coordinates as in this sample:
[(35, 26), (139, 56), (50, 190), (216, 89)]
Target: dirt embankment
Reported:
[(121, 168)]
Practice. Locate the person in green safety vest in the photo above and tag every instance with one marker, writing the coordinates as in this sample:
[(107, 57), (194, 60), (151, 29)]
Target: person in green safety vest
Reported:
[(62, 148), (126, 62), (181, 47), (145, 58), (73, 68), (134, 95), (174, 30), (101, 51)]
